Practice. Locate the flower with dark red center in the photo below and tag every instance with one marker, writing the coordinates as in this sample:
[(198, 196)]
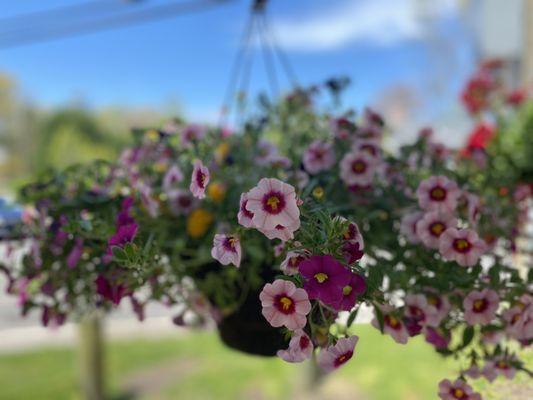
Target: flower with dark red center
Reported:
[(273, 203), (110, 290), (480, 306), (432, 225), (227, 249), (284, 304), (438, 193), (172, 177), (244, 216), (462, 246), (199, 180), (325, 278), (392, 325), (475, 95), (180, 202), (458, 390), (408, 226), (358, 168), (300, 348), (335, 356), (318, 157), (291, 263)]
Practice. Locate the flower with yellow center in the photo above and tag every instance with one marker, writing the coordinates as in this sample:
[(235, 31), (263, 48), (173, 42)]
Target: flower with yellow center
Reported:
[(152, 135), (198, 222), (216, 191), (318, 192), (160, 167)]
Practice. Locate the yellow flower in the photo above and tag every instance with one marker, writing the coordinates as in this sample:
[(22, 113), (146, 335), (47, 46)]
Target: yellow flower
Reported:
[(216, 191), (152, 135), (222, 152), (318, 192), (198, 222), (160, 166)]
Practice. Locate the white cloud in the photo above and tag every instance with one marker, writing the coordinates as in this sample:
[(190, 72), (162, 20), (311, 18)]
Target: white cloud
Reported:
[(381, 22)]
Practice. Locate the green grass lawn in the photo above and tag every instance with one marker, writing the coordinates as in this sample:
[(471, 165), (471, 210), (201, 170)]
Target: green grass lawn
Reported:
[(199, 367)]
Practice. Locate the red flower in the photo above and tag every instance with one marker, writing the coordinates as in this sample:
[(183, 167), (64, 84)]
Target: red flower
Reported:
[(475, 95), (479, 138)]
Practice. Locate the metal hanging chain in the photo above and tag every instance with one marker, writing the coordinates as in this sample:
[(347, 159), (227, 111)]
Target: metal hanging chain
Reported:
[(268, 58)]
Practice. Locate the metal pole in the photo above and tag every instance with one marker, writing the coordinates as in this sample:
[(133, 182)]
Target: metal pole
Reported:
[(91, 357)]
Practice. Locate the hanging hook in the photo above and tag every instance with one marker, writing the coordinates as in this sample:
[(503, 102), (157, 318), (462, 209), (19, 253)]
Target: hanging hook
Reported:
[(258, 6)]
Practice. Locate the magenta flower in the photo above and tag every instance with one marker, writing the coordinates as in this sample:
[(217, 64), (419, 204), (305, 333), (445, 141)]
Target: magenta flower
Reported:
[(436, 338), (125, 234), (431, 227), (300, 348), (290, 265), (519, 319), (354, 288), (358, 169), (199, 180), (285, 305), (354, 244), (172, 177), (227, 249), (325, 278), (458, 390), (335, 356), (480, 306), (75, 254), (244, 216), (462, 246), (438, 193), (318, 157), (273, 203), (110, 290)]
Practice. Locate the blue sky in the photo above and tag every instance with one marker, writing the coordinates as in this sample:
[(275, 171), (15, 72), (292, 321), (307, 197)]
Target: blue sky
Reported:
[(378, 43)]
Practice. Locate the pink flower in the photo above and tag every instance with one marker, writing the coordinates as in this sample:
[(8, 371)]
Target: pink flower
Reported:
[(438, 193), (358, 168), (281, 232), (342, 128), (519, 321), (335, 356), (432, 225), (354, 288), (292, 261), (408, 226), (325, 278), (244, 216), (285, 305), (273, 203), (300, 348), (438, 309), (458, 390), (474, 207), (227, 249), (192, 133), (498, 366), (318, 157), (172, 177), (266, 152), (199, 180), (75, 254), (480, 306), (392, 325), (437, 338), (180, 202), (462, 246), (370, 146)]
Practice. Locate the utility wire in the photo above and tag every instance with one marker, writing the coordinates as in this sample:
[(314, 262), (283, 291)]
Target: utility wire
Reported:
[(126, 19)]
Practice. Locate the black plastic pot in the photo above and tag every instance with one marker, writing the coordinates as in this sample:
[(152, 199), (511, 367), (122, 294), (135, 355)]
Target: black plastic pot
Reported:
[(248, 331)]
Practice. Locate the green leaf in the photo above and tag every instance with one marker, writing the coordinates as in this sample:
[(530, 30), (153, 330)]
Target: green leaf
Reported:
[(351, 317), (468, 335)]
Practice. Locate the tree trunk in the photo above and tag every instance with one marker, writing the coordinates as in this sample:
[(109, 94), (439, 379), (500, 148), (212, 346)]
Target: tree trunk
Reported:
[(91, 357)]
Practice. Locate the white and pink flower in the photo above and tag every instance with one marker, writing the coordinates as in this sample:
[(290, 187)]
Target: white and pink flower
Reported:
[(431, 227), (284, 233), (498, 366), (408, 226), (358, 168), (192, 133), (392, 325), (462, 246), (199, 180), (519, 319), (336, 356), (438, 193), (227, 249), (480, 306), (180, 202), (266, 152), (244, 216), (300, 348), (285, 305), (458, 390), (290, 264), (172, 177), (318, 157), (273, 204)]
